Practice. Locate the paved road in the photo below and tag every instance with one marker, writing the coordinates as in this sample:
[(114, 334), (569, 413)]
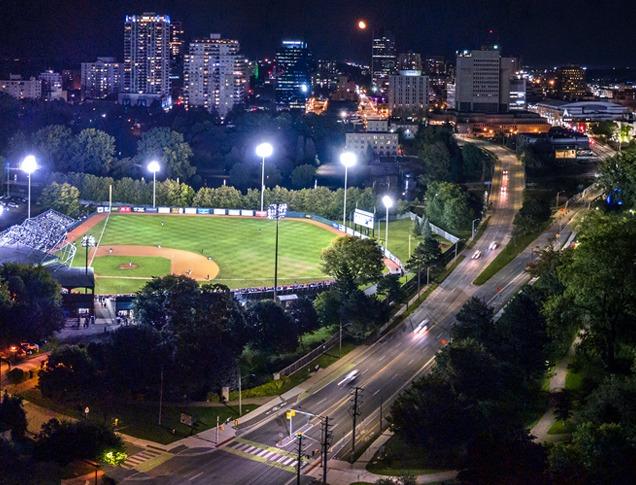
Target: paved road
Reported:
[(263, 452)]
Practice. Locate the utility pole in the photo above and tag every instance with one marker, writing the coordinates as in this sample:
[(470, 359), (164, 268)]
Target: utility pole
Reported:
[(299, 458), (326, 441), (355, 412)]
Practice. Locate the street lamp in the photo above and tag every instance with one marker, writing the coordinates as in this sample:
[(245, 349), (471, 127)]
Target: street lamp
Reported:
[(387, 200), (348, 159), (29, 165), (154, 167), (263, 150), (276, 212)]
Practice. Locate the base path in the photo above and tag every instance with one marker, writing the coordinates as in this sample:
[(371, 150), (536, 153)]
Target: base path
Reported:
[(182, 262)]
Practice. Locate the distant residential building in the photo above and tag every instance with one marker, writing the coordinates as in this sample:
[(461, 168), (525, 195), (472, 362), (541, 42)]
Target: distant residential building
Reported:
[(562, 113), (52, 89), (21, 88), (570, 82), (517, 94), (102, 78), (409, 61), (177, 52), (482, 81), (377, 125), (383, 60), (146, 60), (214, 74), (434, 66), (408, 93), (326, 76), (293, 75), (382, 144)]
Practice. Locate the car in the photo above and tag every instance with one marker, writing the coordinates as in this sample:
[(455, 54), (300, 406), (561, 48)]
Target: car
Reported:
[(493, 245), (422, 327), (504, 189), (505, 172), (30, 348), (350, 377), (476, 254)]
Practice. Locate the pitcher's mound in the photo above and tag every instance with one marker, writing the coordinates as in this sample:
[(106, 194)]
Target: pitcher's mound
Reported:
[(126, 266)]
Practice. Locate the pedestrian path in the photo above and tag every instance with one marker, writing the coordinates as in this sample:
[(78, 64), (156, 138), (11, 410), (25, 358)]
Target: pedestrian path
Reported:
[(267, 455), (146, 459)]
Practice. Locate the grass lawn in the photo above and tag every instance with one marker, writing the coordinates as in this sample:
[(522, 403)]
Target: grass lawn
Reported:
[(507, 254), (399, 232), (243, 248), (146, 266), (561, 427), (573, 380), (139, 419), (399, 458)]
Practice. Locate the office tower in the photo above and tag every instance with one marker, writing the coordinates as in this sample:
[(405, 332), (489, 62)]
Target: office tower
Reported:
[(177, 51), (570, 82), (518, 93), (101, 79), (293, 75), (383, 59), (215, 74), (409, 61), (408, 93), (482, 81), (435, 66), (146, 60)]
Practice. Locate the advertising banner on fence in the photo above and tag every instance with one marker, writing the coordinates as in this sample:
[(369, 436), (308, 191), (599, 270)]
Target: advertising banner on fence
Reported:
[(219, 212), (247, 213), (139, 209), (190, 210), (164, 210), (363, 218), (151, 210), (260, 213), (201, 210), (233, 212), (176, 210), (125, 209)]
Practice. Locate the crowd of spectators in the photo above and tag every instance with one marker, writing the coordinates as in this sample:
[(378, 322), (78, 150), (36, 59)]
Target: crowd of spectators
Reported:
[(42, 232), (285, 289)]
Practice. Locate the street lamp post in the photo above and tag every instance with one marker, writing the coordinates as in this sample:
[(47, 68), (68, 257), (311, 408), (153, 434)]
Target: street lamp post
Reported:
[(29, 165), (263, 150), (348, 159), (387, 200), (154, 167), (277, 212)]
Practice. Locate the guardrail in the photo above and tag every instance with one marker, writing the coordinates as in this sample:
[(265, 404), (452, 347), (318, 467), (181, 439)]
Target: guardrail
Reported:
[(308, 357)]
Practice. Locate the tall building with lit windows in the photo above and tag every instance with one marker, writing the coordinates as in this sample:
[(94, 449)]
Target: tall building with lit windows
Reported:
[(101, 79), (383, 59), (570, 82), (293, 75), (146, 60), (214, 74)]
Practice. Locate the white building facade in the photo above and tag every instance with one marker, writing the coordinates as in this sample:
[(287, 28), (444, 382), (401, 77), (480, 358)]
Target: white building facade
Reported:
[(20, 88), (214, 74), (382, 144), (101, 78), (408, 92)]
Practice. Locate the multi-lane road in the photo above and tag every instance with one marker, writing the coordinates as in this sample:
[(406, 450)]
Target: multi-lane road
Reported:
[(263, 452)]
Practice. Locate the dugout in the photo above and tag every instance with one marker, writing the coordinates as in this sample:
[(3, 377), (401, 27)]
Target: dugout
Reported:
[(78, 285)]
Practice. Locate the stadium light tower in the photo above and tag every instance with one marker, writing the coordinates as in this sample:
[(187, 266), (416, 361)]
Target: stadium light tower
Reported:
[(154, 167), (387, 200), (29, 165), (348, 159), (263, 150)]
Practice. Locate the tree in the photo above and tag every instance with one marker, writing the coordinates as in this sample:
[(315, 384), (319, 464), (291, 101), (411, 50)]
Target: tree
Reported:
[(427, 253), (69, 375), (30, 300), (304, 315), (600, 281), (65, 441), (272, 329), (391, 288), (604, 129), (353, 261), (178, 194), (477, 164), (532, 216), (163, 300), (303, 176), (92, 151), (170, 149), (619, 173), (474, 320), (53, 145), (63, 198), (327, 305), (447, 205), (12, 416)]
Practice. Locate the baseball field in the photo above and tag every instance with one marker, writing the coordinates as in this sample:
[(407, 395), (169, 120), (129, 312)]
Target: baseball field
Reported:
[(237, 252)]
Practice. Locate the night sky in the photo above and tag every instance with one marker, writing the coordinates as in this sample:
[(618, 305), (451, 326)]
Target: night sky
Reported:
[(592, 33)]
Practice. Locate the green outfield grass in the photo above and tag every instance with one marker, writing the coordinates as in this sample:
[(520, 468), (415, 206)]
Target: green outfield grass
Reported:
[(243, 248)]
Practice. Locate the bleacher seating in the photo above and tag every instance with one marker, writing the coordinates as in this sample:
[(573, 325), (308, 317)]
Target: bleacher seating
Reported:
[(43, 232)]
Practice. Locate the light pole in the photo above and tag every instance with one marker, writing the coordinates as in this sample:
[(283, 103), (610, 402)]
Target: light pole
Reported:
[(348, 159), (154, 167), (29, 165), (387, 200), (277, 212), (88, 241), (473, 230), (263, 150)]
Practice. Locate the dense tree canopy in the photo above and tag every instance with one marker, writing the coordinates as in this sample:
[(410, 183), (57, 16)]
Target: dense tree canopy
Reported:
[(63, 198), (353, 261), (447, 205)]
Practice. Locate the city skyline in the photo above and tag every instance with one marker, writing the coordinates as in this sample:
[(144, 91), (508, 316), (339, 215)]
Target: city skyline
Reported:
[(71, 31)]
